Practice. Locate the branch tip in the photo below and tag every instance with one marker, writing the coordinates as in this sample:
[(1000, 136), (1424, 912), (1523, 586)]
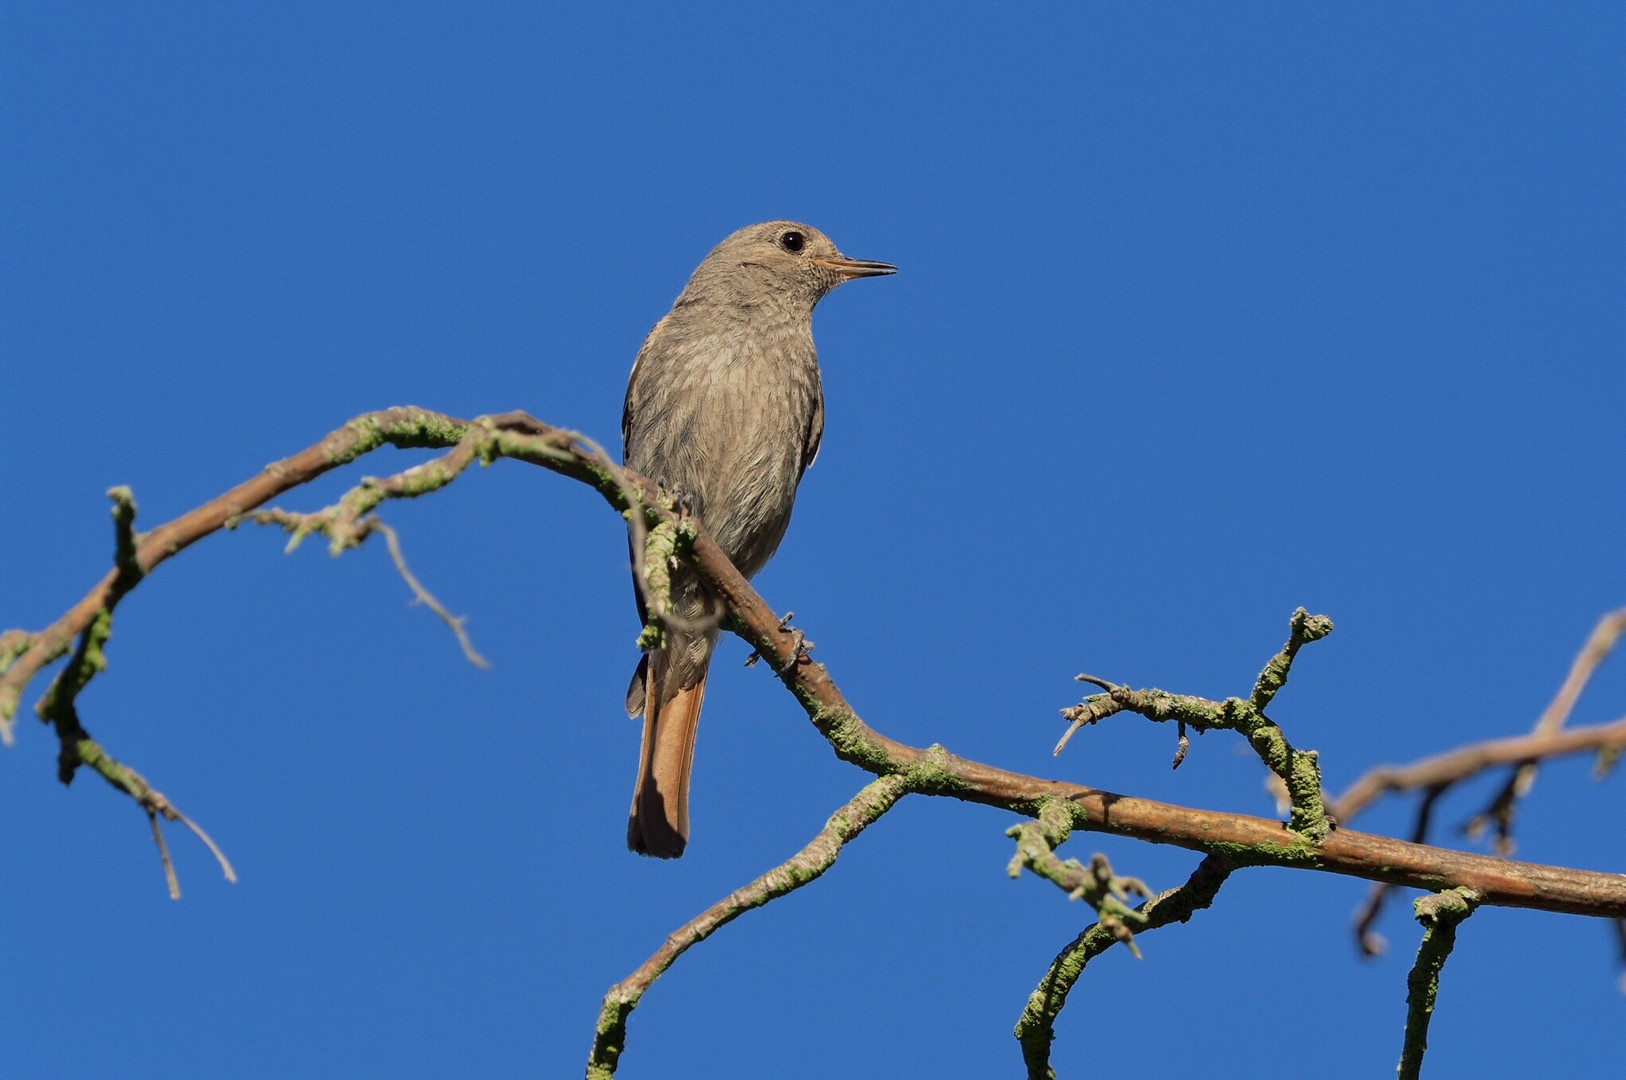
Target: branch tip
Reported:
[(163, 855)]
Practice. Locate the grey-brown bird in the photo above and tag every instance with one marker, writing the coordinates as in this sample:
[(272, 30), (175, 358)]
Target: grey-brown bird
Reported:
[(724, 406)]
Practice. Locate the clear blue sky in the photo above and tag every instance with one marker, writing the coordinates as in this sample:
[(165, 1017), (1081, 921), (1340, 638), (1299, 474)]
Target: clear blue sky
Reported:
[(1204, 313)]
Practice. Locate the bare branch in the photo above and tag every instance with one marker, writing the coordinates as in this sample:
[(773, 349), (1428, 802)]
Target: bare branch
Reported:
[(1499, 813), (1468, 761), (1598, 646)]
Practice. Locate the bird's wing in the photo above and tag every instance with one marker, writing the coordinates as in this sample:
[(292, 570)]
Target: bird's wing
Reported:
[(629, 407), (815, 432)]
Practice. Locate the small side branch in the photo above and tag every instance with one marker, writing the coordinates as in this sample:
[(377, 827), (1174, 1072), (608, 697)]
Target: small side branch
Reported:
[(1439, 914), (1468, 761), (1299, 770), (805, 866), (1036, 1030), (1498, 815), (1096, 884), (1438, 774)]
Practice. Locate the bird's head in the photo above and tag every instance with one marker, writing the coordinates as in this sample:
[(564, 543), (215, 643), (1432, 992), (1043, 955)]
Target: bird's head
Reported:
[(777, 260)]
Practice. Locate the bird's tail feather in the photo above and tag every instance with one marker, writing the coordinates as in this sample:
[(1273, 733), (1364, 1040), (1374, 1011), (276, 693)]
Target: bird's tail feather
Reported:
[(659, 823)]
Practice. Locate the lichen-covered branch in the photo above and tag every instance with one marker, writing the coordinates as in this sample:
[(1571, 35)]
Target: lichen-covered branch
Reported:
[(403, 427), (1096, 884), (661, 531), (1036, 1030), (807, 865), (1242, 839), (1439, 915)]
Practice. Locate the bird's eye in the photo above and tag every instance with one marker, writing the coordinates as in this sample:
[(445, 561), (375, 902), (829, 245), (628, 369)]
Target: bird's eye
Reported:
[(792, 241)]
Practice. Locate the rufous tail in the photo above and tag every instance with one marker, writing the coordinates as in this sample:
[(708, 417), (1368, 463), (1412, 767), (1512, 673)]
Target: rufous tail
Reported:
[(659, 824)]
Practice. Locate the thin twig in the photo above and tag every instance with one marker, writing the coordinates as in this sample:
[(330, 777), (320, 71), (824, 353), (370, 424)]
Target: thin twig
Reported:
[(425, 597), (208, 842), (1499, 813), (163, 853)]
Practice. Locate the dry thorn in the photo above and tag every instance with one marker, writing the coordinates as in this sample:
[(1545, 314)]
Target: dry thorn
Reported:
[(1089, 711)]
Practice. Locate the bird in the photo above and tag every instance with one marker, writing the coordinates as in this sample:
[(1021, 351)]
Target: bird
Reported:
[(724, 408)]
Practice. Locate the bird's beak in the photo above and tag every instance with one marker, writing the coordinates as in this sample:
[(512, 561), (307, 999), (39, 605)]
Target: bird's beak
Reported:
[(848, 269)]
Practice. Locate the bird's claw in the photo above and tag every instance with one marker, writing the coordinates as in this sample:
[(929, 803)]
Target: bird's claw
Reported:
[(798, 652), (800, 649)]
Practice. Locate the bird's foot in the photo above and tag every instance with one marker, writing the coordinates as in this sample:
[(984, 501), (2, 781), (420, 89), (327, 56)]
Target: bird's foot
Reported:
[(798, 652), (682, 497), (801, 648)]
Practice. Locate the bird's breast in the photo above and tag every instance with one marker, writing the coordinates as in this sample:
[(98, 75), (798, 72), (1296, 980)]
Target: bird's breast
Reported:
[(724, 413)]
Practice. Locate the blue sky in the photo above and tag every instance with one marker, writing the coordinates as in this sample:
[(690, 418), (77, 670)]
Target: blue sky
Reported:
[(1204, 313)]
